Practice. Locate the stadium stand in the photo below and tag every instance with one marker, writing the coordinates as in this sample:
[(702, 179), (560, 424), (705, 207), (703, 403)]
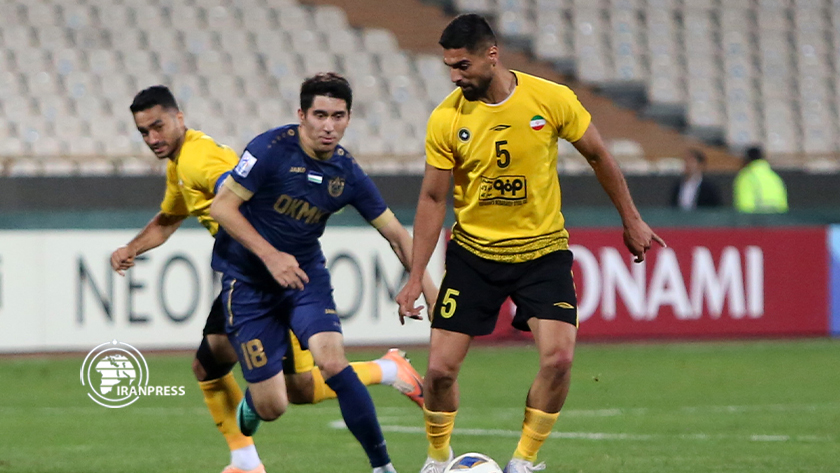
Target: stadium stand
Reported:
[(739, 72)]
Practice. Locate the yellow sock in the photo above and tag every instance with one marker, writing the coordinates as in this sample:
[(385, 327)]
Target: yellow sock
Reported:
[(222, 396), (535, 429), (439, 427), (368, 371)]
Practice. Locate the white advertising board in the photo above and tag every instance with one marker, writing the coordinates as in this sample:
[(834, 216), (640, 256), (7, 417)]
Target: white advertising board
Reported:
[(58, 292)]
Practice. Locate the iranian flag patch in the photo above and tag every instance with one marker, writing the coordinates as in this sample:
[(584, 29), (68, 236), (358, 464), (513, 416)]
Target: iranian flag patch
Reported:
[(537, 122)]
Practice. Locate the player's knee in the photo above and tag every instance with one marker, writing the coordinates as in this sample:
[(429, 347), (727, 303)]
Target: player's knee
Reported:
[(198, 370), (330, 368), (271, 409), (206, 366), (438, 379), (559, 361)]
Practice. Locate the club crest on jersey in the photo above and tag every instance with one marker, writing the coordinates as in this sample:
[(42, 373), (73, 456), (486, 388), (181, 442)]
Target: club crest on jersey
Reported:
[(336, 186), (537, 122), (464, 134)]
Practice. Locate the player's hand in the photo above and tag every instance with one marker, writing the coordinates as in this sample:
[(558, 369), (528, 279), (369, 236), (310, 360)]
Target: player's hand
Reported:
[(286, 270), (122, 258), (406, 299), (638, 238)]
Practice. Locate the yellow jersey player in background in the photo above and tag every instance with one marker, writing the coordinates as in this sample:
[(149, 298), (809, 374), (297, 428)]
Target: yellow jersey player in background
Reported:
[(196, 167), (496, 135)]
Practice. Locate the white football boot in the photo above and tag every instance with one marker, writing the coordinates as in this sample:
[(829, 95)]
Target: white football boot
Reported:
[(434, 466), (517, 465)]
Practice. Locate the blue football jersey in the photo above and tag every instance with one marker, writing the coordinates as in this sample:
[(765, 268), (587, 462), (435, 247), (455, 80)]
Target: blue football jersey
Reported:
[(289, 197)]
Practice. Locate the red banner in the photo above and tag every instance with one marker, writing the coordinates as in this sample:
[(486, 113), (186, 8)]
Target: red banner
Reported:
[(707, 283)]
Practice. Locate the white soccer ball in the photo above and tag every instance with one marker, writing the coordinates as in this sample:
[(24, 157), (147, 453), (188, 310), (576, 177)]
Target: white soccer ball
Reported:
[(473, 463)]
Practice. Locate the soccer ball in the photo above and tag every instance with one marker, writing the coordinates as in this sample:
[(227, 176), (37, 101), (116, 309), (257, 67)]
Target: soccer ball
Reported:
[(473, 463)]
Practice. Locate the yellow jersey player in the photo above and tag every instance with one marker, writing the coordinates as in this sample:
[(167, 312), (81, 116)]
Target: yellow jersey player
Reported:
[(496, 135), (196, 167)]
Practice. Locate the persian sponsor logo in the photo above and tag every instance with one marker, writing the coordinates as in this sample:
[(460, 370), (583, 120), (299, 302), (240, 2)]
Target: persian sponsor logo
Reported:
[(503, 190)]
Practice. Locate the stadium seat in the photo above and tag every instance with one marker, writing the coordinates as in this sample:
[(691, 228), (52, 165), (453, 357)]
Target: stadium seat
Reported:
[(42, 83), (378, 40), (343, 41), (32, 61), (17, 37), (88, 166), (294, 18), (235, 41), (220, 18), (10, 85), (329, 18), (76, 16), (102, 62), (24, 167), (41, 14)]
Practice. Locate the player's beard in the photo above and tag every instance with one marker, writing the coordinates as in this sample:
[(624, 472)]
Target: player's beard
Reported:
[(477, 91)]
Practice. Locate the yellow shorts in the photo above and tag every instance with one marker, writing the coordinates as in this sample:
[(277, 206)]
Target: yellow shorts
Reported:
[(297, 360)]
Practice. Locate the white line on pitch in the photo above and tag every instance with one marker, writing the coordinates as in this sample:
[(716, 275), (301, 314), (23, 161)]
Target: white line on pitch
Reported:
[(338, 424)]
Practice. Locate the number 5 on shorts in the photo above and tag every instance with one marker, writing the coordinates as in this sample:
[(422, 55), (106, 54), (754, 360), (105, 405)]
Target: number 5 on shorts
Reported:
[(449, 303)]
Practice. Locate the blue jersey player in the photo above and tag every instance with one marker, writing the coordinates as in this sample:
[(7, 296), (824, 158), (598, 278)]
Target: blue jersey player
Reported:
[(273, 208)]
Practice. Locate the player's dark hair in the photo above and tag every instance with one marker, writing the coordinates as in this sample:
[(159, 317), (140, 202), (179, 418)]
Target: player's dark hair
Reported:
[(753, 153), (152, 96), (328, 84), (699, 155), (468, 31)]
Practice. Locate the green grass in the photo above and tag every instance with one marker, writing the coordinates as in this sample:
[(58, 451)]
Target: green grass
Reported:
[(758, 406)]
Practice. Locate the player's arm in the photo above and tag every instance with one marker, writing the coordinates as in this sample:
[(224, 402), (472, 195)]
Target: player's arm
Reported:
[(428, 221), (637, 234), (225, 210), (154, 234), (401, 243)]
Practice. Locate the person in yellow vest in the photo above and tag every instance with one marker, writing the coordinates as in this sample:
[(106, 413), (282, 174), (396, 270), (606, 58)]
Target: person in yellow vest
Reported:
[(758, 189)]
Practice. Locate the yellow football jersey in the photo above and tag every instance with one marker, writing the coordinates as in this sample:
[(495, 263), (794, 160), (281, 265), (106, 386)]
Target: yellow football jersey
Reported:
[(504, 163), (191, 177)]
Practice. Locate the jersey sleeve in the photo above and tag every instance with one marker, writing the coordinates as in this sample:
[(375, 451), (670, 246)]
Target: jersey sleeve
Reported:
[(173, 200), (570, 117), (369, 202), (439, 146), (249, 174), (205, 170)]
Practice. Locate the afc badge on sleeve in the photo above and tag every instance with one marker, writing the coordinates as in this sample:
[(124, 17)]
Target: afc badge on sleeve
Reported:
[(246, 163)]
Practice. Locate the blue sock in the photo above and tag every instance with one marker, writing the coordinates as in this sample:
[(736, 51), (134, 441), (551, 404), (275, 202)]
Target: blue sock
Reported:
[(250, 403), (360, 415)]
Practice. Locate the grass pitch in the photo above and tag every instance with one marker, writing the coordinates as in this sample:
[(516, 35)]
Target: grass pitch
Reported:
[(756, 406)]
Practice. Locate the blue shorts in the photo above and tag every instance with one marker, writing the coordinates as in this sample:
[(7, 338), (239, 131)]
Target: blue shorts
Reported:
[(257, 320)]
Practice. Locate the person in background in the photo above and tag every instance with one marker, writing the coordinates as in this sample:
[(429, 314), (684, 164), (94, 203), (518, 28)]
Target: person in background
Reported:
[(757, 188), (692, 190)]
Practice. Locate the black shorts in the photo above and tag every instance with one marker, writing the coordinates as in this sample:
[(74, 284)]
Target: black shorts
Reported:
[(215, 324), (474, 289)]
